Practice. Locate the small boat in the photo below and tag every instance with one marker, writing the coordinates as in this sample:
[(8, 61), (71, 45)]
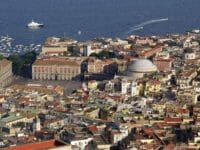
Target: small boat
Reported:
[(79, 32), (34, 24), (197, 31)]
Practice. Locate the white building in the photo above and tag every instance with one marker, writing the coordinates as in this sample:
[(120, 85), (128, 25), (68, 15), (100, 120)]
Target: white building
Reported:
[(37, 125), (129, 87), (119, 135), (81, 143), (87, 50), (189, 54)]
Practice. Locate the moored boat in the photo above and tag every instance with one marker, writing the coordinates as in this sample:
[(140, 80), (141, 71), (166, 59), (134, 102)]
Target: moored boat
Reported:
[(34, 24)]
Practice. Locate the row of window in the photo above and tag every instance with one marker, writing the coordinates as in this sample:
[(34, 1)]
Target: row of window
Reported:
[(59, 70)]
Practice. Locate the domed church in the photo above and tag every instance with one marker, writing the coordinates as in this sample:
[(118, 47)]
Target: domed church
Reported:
[(139, 67)]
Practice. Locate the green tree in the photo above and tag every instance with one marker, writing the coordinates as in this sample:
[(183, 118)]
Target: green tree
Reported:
[(17, 63), (104, 55), (29, 57), (1, 57), (94, 55), (22, 64)]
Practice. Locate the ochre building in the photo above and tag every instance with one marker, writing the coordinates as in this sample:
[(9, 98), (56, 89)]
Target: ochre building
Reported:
[(6, 74), (55, 69)]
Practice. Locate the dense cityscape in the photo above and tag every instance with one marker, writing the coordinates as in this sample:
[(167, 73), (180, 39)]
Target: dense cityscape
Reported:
[(141, 92)]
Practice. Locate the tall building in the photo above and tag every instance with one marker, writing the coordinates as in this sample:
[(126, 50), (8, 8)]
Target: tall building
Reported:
[(87, 50), (6, 74), (37, 124), (55, 69)]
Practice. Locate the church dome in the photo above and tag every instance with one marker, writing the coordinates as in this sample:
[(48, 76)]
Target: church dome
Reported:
[(142, 66)]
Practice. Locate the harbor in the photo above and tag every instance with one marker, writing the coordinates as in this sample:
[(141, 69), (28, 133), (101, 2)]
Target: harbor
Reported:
[(8, 47)]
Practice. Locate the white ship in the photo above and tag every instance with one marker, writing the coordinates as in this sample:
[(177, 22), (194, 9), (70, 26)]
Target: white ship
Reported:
[(34, 24), (197, 31)]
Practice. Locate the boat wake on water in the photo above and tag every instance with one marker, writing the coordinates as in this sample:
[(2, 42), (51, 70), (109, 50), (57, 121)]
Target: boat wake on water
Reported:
[(150, 22), (141, 25), (134, 29)]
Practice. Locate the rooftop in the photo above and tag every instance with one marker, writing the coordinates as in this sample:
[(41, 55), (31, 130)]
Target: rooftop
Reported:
[(38, 145), (11, 117), (56, 61)]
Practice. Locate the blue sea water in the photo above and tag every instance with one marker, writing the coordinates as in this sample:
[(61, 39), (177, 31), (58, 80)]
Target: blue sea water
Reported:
[(96, 18)]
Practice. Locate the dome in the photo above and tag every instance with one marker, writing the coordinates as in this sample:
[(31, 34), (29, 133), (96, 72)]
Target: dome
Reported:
[(142, 66)]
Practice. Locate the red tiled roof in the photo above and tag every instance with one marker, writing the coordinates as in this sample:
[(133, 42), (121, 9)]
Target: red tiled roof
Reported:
[(56, 61), (162, 124), (192, 61), (37, 145), (170, 147), (182, 111), (154, 82), (173, 120), (163, 64), (93, 129), (150, 52), (187, 73)]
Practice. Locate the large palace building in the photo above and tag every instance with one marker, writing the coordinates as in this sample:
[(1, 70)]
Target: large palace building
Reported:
[(55, 69), (6, 74)]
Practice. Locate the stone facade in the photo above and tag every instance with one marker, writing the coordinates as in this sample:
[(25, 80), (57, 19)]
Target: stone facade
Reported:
[(53, 50), (6, 74), (93, 65), (55, 69)]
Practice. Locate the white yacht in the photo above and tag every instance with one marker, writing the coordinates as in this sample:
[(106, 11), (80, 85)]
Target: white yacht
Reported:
[(197, 31), (34, 24)]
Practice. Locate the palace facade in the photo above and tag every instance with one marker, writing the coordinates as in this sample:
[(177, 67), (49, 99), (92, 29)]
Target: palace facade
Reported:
[(55, 69)]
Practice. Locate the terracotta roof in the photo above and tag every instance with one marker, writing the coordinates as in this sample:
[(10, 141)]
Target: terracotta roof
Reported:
[(2, 96), (150, 52), (169, 147), (93, 129), (153, 82), (173, 120), (23, 99), (182, 111), (149, 131), (192, 61), (187, 73), (92, 81), (163, 65), (56, 61), (37, 145)]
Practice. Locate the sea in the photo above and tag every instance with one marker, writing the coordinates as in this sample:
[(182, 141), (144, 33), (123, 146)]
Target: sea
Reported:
[(88, 19)]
